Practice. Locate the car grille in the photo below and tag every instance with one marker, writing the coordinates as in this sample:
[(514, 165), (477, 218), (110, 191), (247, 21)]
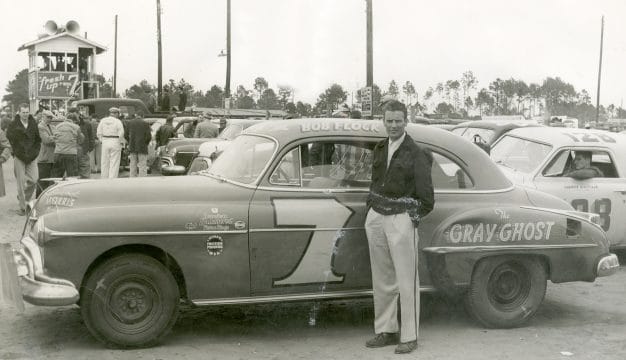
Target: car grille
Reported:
[(184, 158)]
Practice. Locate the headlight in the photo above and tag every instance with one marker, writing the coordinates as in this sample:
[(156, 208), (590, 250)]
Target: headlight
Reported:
[(38, 232), (172, 152)]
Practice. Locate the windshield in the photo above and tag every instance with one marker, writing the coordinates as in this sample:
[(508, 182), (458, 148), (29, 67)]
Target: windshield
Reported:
[(231, 132), (244, 160), (519, 154)]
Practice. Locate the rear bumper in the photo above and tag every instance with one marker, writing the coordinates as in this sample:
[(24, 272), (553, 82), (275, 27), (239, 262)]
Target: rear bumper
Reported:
[(607, 265), (38, 288)]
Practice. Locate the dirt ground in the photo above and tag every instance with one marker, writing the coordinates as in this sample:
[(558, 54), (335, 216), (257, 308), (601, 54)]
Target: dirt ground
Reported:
[(576, 321)]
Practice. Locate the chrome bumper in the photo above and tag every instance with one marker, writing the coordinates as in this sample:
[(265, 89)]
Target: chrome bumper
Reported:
[(38, 288), (607, 265)]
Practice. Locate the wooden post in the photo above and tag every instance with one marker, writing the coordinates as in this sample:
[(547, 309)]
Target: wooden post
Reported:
[(159, 57), (370, 54), (599, 72), (115, 61)]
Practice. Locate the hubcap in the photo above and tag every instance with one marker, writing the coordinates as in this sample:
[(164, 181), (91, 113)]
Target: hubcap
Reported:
[(509, 286), (132, 302)]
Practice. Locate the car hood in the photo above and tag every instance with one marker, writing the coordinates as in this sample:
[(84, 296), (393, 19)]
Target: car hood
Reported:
[(191, 144), (125, 192), (208, 148)]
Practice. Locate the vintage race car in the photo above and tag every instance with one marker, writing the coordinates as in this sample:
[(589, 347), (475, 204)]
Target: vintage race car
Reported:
[(280, 216), (542, 158)]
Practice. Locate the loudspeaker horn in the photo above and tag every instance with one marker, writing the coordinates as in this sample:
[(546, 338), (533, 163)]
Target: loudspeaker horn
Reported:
[(51, 27), (72, 27)]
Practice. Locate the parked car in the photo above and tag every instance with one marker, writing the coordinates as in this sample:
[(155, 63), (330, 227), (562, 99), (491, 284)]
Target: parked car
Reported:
[(486, 131), (270, 222), (212, 148), (541, 158)]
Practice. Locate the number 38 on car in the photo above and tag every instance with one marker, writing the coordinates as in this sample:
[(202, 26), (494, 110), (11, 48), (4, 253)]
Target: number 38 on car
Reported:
[(280, 217)]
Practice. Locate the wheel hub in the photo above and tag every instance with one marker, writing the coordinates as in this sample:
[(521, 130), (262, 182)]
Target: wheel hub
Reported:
[(132, 302), (509, 286)]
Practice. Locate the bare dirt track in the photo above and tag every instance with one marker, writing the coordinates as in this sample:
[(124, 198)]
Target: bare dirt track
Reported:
[(576, 321)]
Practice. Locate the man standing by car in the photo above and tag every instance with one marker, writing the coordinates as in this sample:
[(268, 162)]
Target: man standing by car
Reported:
[(401, 193), (23, 134), (206, 129), (139, 137), (84, 160), (45, 160), (67, 139), (110, 132), (165, 132)]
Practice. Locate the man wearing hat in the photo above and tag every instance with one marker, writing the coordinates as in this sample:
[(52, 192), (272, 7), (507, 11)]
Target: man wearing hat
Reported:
[(45, 160), (110, 132)]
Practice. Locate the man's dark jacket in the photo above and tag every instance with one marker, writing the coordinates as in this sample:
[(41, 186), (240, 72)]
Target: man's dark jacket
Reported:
[(25, 142), (90, 140), (139, 136), (163, 135), (406, 186)]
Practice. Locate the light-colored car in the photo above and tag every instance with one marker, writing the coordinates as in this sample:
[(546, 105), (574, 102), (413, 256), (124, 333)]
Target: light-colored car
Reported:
[(542, 157)]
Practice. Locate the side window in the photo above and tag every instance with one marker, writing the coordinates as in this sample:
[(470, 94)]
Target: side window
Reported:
[(447, 174), (288, 170), (326, 165), (581, 164)]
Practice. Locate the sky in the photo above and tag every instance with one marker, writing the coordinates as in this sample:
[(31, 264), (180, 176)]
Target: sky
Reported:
[(311, 44)]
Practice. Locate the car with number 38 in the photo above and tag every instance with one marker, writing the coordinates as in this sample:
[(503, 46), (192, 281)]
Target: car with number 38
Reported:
[(544, 159), (279, 216)]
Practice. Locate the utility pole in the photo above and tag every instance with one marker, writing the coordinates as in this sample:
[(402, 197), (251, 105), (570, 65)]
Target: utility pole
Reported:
[(159, 56), (370, 55), (114, 61), (228, 55), (599, 72)]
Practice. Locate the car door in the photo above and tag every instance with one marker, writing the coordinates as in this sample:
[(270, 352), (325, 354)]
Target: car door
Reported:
[(605, 195), (307, 220)]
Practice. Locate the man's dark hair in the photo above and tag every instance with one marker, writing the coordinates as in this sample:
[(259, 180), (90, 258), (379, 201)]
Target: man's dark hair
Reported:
[(394, 105), (24, 105)]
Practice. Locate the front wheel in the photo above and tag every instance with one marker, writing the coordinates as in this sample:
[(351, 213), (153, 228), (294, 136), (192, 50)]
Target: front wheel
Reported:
[(506, 291), (130, 301)]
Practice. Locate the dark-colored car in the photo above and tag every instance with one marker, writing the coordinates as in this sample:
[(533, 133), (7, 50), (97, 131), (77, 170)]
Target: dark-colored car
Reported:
[(267, 224)]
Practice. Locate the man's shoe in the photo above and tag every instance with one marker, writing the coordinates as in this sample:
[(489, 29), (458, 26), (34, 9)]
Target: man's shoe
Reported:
[(382, 339), (406, 347), (20, 212)]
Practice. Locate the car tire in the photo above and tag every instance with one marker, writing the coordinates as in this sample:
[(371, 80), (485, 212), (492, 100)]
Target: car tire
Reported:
[(506, 291), (130, 301)]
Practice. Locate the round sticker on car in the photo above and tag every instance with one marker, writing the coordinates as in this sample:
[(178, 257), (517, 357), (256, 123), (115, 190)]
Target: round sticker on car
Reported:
[(215, 245)]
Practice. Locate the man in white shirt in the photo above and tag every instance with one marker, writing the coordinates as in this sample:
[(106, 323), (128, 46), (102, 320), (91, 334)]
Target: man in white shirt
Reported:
[(110, 132)]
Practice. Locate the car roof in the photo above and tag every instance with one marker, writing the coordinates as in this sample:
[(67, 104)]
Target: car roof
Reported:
[(489, 177), (560, 137), (485, 124)]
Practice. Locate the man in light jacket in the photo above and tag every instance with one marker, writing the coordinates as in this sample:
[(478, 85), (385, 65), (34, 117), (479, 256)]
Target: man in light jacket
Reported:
[(67, 139)]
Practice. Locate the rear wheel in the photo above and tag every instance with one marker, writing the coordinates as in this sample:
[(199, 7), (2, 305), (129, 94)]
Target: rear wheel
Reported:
[(506, 290), (130, 301)]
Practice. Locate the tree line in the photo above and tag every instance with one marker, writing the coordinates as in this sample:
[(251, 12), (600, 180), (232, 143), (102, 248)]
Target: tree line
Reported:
[(454, 98)]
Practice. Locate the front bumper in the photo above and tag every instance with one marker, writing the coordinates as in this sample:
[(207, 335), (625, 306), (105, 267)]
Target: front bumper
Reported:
[(607, 265), (38, 288)]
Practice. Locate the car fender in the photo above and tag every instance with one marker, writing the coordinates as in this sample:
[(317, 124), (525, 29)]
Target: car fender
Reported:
[(465, 238)]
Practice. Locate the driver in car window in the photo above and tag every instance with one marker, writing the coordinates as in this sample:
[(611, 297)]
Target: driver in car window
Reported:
[(582, 167)]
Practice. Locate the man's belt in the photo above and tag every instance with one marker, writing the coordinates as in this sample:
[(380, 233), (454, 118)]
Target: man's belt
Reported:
[(113, 136)]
